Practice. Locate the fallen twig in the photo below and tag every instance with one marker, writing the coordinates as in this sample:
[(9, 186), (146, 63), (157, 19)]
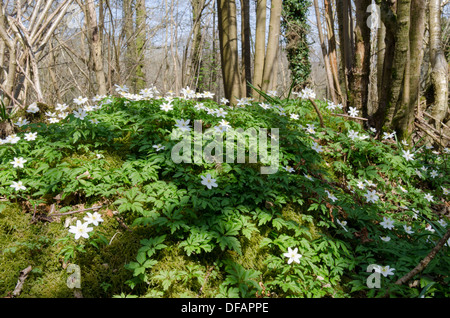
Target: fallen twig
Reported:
[(424, 263), (348, 116), (123, 224), (318, 112), (440, 122), (23, 275), (425, 130), (78, 211), (206, 279), (433, 129)]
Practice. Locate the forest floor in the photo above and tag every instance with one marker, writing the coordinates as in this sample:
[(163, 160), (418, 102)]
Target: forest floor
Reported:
[(96, 200)]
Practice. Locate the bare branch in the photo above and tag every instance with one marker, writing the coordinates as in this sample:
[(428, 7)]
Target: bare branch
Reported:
[(424, 263)]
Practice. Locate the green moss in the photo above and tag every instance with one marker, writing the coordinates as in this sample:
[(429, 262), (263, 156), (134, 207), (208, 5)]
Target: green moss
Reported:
[(25, 244), (252, 255), (173, 259), (295, 213)]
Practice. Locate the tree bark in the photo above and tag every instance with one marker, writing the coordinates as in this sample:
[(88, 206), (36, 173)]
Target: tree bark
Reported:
[(359, 77), (405, 117), (127, 33), (141, 40), (26, 43), (332, 51), (228, 39), (439, 65), (95, 45), (326, 59), (191, 70), (246, 47), (381, 34), (260, 45), (384, 78), (400, 62), (342, 8), (269, 80)]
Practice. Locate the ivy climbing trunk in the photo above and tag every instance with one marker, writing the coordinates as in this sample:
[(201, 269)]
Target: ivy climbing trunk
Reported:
[(295, 27)]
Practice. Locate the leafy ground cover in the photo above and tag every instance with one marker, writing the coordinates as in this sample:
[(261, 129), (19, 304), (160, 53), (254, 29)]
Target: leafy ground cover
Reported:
[(94, 184)]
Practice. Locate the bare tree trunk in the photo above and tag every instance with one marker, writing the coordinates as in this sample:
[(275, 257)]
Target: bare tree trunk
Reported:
[(8, 84), (411, 90), (246, 46), (269, 75), (56, 91), (229, 49), (384, 77), (173, 45), (400, 62), (325, 56), (127, 33), (359, 77), (345, 38), (381, 34), (332, 51), (95, 46), (260, 44), (141, 40), (27, 42), (191, 70), (440, 72)]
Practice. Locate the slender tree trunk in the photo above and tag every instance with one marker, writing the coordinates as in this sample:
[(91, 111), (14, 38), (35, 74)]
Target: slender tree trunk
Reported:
[(384, 77), (246, 46), (345, 38), (192, 69), (229, 49), (400, 62), (128, 31), (9, 82), (381, 34), (411, 90), (173, 44), (359, 77), (141, 40), (269, 75), (56, 92), (439, 65), (326, 59), (332, 52), (95, 45), (260, 45)]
